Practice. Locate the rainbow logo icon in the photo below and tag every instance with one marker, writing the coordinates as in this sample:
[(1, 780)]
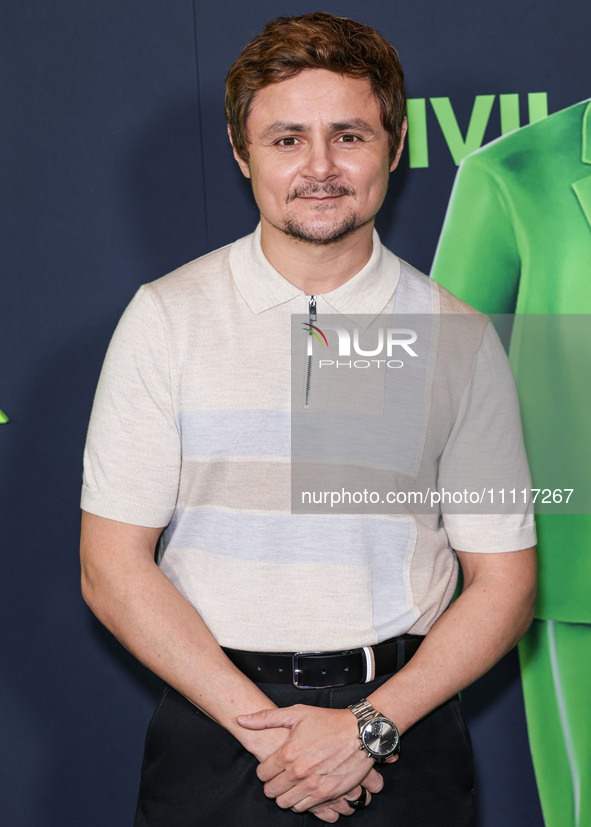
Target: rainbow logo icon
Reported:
[(315, 331)]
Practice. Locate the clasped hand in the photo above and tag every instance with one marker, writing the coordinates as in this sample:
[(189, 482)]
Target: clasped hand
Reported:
[(319, 763)]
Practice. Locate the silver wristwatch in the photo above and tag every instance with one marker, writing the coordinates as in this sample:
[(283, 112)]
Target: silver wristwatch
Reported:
[(378, 735)]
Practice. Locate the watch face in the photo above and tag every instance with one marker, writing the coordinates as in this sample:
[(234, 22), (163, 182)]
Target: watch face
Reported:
[(380, 737)]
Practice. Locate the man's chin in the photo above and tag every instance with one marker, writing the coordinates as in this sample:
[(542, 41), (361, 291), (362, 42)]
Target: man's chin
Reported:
[(320, 232)]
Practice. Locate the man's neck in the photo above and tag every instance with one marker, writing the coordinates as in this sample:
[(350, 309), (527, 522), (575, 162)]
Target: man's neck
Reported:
[(317, 268)]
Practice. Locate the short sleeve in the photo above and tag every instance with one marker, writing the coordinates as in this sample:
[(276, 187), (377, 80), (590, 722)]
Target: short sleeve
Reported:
[(132, 453), (484, 460)]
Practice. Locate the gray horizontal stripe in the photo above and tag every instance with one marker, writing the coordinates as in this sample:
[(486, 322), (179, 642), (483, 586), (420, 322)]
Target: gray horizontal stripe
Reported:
[(235, 433), (267, 537)]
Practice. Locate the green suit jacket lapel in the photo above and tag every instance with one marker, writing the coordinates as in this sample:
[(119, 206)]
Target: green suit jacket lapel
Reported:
[(582, 187)]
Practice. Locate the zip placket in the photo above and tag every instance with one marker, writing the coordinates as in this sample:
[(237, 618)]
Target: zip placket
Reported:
[(312, 319)]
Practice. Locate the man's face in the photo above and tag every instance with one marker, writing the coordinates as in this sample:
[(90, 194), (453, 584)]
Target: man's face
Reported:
[(318, 155)]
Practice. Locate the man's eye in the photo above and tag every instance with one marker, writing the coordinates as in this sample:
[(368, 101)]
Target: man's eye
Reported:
[(349, 139), (290, 141)]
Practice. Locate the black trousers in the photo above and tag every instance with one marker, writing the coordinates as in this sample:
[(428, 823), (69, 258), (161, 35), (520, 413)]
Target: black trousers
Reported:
[(196, 774)]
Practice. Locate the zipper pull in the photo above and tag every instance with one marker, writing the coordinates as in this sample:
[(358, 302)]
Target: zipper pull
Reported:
[(312, 318)]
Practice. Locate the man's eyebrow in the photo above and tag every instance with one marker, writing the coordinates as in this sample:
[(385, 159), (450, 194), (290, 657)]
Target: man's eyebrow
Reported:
[(282, 126), (355, 124)]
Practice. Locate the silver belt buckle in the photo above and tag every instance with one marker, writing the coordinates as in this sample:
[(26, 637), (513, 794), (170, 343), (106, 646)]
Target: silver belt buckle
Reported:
[(296, 671)]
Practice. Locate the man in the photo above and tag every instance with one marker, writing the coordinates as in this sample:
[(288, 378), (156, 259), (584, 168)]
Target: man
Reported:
[(283, 637), (527, 250)]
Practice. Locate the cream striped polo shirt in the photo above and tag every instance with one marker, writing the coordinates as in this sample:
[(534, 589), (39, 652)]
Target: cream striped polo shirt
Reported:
[(191, 431)]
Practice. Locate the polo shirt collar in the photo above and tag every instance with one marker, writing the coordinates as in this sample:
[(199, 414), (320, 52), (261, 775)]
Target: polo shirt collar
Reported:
[(263, 287)]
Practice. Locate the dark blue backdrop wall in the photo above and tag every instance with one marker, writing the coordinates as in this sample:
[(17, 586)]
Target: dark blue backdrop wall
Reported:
[(115, 169)]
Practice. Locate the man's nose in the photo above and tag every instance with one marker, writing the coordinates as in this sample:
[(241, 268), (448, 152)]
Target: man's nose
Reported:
[(320, 162)]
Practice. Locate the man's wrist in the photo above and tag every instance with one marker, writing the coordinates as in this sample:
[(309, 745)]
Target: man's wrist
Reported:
[(393, 699)]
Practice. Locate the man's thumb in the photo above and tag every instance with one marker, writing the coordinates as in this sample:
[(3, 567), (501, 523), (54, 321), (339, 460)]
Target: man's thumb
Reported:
[(264, 719)]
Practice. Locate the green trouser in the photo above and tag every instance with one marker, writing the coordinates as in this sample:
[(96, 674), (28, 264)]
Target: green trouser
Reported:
[(556, 674)]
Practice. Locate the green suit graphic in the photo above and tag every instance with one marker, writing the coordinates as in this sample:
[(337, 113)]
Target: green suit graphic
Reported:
[(517, 239)]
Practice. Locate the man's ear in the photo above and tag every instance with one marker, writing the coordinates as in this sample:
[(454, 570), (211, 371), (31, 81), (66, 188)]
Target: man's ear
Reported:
[(244, 168), (403, 129)]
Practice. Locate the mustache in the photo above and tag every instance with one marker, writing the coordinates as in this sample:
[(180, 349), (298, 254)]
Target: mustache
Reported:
[(314, 188)]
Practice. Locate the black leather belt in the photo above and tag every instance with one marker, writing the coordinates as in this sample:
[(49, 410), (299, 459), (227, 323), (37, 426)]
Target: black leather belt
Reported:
[(322, 670)]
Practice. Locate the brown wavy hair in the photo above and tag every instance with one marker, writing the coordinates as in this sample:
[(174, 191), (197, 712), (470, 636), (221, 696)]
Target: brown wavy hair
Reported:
[(289, 45)]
